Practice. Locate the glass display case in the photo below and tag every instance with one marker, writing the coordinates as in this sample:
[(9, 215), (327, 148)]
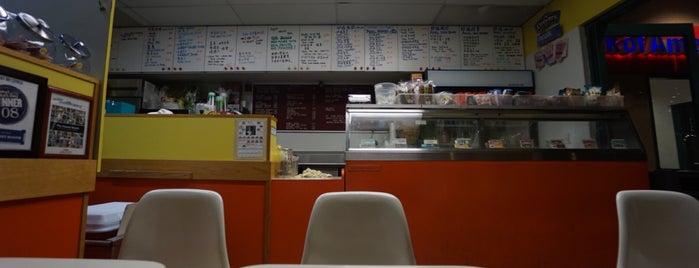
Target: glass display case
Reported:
[(427, 132)]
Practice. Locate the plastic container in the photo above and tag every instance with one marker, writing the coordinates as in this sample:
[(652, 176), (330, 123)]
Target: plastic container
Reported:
[(385, 93), (119, 107)]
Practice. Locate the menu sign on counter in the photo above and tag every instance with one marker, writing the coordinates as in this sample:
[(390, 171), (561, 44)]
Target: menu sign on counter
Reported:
[(126, 50), (220, 48), (283, 53), (508, 49), (252, 48), (158, 49), (413, 48), (477, 48), (314, 47), (348, 48), (445, 47), (381, 48), (305, 107), (190, 48)]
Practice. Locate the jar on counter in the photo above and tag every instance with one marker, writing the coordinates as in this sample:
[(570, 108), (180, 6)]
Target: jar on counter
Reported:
[(72, 53), (30, 35)]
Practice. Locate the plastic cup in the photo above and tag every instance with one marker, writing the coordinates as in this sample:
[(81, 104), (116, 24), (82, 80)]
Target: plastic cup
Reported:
[(385, 93)]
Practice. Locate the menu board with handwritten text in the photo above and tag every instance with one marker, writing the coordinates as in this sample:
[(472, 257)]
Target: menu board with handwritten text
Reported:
[(413, 48), (445, 47), (158, 49), (508, 49), (220, 48), (300, 107), (252, 48), (283, 52), (126, 50), (315, 47), (477, 48), (381, 48), (190, 48), (348, 47)]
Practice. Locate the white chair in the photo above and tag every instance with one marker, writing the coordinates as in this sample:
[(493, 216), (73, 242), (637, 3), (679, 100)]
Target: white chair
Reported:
[(657, 229), (361, 228), (180, 228)]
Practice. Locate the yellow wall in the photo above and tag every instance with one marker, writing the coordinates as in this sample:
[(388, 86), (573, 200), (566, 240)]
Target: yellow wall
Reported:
[(574, 13)]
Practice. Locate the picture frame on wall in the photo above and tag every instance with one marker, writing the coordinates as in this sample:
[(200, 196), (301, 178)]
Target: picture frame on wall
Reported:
[(21, 107), (66, 127)]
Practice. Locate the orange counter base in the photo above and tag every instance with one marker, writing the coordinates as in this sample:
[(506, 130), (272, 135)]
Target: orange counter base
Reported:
[(506, 213)]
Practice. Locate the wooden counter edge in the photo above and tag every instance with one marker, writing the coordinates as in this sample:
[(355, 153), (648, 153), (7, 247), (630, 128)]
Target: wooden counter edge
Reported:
[(186, 169), (27, 178)]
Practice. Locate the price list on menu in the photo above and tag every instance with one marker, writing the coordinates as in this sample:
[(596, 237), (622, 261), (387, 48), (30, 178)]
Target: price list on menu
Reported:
[(252, 48), (477, 48), (315, 47), (305, 107), (126, 50), (508, 49), (220, 48), (381, 48), (283, 53), (413, 48), (348, 43), (190, 48), (445, 47), (158, 49)]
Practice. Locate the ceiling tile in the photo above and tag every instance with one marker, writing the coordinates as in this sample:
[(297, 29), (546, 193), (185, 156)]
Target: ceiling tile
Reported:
[(386, 14), (189, 16), (286, 14), (168, 3), (494, 15), (498, 2)]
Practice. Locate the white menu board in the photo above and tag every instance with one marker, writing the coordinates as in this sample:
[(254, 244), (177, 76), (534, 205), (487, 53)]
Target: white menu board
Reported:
[(315, 47), (348, 48), (413, 48), (252, 48), (477, 48), (508, 49), (283, 53), (190, 48), (220, 48), (126, 49), (445, 47), (381, 48), (158, 49)]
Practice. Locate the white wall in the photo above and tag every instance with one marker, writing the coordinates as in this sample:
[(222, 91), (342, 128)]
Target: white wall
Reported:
[(310, 141), (571, 72)]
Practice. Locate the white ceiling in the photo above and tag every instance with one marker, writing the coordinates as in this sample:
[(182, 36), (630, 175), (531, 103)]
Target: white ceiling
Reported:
[(134, 13)]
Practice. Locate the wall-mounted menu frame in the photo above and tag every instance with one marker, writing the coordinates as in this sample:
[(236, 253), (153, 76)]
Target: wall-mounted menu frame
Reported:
[(158, 49), (413, 48), (315, 47), (348, 48), (381, 48), (252, 48), (21, 107), (445, 47), (221, 48), (283, 50), (190, 49), (66, 127), (126, 51)]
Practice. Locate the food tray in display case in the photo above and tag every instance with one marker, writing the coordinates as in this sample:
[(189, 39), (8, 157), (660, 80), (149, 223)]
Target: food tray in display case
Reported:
[(428, 132)]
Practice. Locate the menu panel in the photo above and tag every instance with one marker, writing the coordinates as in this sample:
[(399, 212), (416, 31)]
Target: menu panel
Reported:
[(305, 107), (508, 48), (190, 48), (315, 47), (477, 45), (413, 48), (445, 47), (220, 48), (158, 49), (252, 48), (381, 48), (126, 50), (283, 53), (348, 47)]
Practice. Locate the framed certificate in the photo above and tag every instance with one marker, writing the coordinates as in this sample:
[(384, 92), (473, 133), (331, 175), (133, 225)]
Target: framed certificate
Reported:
[(21, 106), (67, 125)]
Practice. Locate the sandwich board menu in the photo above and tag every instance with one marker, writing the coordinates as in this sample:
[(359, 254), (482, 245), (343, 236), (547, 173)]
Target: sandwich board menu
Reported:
[(220, 48), (445, 47), (158, 49), (413, 48), (381, 48), (348, 47), (126, 50), (315, 47), (190, 48), (283, 53), (252, 48)]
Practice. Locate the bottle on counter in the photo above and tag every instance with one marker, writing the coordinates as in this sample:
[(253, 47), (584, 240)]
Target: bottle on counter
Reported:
[(210, 103)]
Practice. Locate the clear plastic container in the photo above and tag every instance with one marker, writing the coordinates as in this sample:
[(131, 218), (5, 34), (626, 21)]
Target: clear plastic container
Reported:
[(385, 93)]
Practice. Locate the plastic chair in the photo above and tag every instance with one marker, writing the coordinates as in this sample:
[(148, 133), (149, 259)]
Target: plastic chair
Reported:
[(657, 229), (361, 228), (179, 228)]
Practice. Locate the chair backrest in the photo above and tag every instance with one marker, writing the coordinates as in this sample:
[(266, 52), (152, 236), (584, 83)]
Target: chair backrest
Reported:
[(361, 228), (179, 228), (657, 229)]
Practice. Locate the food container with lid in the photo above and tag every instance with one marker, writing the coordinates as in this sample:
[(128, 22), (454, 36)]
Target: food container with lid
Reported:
[(385, 93), (30, 35)]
